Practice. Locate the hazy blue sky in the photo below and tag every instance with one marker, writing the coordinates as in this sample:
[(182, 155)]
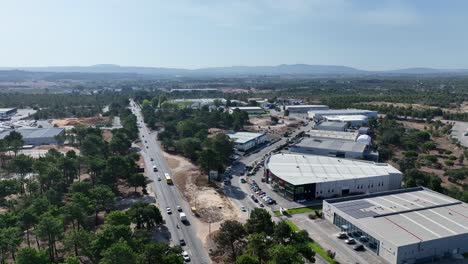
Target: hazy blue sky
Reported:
[(368, 34)]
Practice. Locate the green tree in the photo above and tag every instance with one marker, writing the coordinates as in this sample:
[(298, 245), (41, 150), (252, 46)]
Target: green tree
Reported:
[(209, 160), (230, 233), (119, 253), (79, 242), (14, 141), (72, 260), (28, 220), (159, 252), (10, 239), (145, 215), (259, 221), (103, 199), (283, 233), (50, 228), (137, 180), (118, 218), (247, 259), (32, 256), (284, 254), (258, 245)]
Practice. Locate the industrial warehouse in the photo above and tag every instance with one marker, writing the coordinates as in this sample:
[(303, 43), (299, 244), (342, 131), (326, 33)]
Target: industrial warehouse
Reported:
[(251, 110), (305, 108), (37, 136), (334, 148), (330, 134), (246, 140), (309, 177), (407, 226), (320, 114), (7, 113)]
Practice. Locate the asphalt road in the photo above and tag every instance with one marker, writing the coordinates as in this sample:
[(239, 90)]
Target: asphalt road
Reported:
[(459, 130), (168, 195)]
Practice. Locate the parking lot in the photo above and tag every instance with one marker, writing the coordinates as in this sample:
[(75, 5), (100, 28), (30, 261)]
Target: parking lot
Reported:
[(459, 130)]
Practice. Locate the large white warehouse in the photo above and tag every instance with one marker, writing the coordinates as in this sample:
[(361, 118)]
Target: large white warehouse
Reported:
[(407, 226), (353, 120), (37, 136), (309, 177), (319, 114), (305, 108)]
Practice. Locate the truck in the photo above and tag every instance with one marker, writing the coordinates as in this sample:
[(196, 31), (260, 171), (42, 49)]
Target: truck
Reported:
[(182, 217)]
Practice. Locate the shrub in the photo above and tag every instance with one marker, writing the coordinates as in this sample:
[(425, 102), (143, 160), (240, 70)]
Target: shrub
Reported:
[(451, 157), (312, 216), (449, 163), (448, 152)]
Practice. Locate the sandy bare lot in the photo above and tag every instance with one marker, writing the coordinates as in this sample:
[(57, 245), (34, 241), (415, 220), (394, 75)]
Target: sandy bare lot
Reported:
[(212, 206), (88, 121)]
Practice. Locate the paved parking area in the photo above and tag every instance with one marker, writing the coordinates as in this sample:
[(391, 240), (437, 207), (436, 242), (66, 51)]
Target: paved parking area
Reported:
[(323, 232), (458, 131)]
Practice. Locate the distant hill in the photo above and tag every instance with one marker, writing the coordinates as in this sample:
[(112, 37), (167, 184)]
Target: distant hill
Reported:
[(283, 69)]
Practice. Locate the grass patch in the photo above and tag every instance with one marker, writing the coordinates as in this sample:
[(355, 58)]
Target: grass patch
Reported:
[(302, 210), (277, 213), (319, 250), (315, 246), (292, 225)]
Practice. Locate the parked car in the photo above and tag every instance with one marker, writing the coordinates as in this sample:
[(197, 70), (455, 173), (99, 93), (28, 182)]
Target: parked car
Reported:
[(350, 241), (168, 210), (242, 180), (182, 242), (243, 209), (179, 208), (358, 247), (342, 235), (261, 205)]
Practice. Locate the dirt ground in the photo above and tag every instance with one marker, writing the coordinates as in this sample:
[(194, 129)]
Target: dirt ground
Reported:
[(463, 107), (107, 135), (262, 124), (62, 149), (88, 121), (212, 206)]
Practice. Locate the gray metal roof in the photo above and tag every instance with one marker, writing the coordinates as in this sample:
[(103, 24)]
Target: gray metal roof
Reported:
[(306, 169), (331, 144), (326, 134), (408, 217), (243, 137), (29, 133), (331, 124)]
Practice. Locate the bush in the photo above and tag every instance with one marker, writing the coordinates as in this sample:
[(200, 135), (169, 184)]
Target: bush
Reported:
[(451, 157), (448, 152), (449, 163), (312, 216)]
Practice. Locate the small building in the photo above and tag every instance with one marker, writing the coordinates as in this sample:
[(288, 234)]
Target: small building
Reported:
[(338, 135), (37, 136), (7, 113), (246, 140), (330, 148), (308, 177), (319, 114), (352, 120), (331, 126), (414, 225), (251, 110), (305, 108), (363, 130)]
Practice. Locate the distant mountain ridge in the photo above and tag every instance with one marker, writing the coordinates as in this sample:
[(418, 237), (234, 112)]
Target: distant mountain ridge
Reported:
[(283, 69)]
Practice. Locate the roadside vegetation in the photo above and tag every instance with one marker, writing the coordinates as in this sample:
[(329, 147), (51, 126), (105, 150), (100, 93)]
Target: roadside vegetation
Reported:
[(185, 131), (63, 208)]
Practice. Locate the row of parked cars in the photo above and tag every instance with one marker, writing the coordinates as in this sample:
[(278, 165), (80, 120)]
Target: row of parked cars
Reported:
[(261, 195), (352, 241)]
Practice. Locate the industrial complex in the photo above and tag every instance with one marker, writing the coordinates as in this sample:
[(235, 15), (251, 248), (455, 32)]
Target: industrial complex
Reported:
[(338, 135), (406, 226), (309, 177)]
